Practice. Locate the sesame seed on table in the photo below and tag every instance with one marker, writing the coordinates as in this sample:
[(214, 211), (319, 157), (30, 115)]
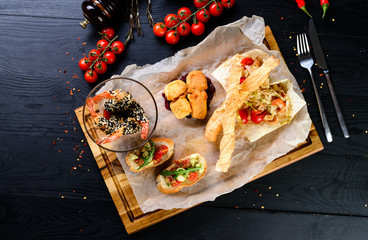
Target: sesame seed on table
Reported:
[(52, 187)]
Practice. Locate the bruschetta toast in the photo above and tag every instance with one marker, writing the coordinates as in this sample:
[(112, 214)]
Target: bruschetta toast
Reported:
[(155, 152), (182, 173)]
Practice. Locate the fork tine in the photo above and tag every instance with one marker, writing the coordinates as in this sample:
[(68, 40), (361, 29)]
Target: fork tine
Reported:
[(298, 44), (306, 43)]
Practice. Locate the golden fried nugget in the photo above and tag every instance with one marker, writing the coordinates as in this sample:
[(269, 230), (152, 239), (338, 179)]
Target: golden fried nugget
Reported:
[(181, 107), (174, 89), (196, 81), (198, 101)]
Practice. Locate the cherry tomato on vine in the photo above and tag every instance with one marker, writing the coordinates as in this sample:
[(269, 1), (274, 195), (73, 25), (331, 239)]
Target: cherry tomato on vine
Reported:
[(203, 15), (216, 9), (91, 76), (93, 54), (108, 32), (109, 57), (84, 64), (184, 13), (159, 29), (171, 20), (228, 3), (117, 47), (100, 67), (200, 3), (102, 44), (172, 37), (197, 28), (184, 29)]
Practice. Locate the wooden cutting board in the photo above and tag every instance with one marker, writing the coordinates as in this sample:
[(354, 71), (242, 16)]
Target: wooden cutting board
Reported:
[(117, 183)]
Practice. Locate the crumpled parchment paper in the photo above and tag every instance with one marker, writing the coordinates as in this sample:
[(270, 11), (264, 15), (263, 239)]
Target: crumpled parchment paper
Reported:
[(248, 159)]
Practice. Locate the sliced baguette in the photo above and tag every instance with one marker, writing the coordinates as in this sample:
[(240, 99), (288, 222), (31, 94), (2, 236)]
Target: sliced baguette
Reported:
[(163, 187), (158, 142)]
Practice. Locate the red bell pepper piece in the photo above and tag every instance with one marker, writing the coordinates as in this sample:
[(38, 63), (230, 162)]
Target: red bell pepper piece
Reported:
[(243, 115), (257, 116)]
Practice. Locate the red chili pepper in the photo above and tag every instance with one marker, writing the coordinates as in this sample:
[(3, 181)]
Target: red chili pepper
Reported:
[(242, 79), (301, 5), (324, 4)]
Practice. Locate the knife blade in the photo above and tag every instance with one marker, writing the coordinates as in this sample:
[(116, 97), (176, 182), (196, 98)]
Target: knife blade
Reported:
[(317, 49), (321, 61)]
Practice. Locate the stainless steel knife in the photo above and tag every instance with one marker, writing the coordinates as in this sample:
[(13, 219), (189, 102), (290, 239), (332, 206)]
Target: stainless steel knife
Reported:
[(321, 61)]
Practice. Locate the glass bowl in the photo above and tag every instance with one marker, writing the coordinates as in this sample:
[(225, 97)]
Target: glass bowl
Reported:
[(140, 94)]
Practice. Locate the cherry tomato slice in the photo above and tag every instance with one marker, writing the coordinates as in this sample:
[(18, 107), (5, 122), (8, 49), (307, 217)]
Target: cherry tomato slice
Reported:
[(243, 115), (172, 37), (184, 13), (171, 20), (90, 76), (184, 29), (176, 183), (192, 176), (257, 116), (84, 64), (117, 47), (108, 32), (159, 29), (197, 29), (216, 9), (247, 61), (160, 151)]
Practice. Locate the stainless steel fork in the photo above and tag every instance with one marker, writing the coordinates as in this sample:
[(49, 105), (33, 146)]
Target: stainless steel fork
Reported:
[(306, 61)]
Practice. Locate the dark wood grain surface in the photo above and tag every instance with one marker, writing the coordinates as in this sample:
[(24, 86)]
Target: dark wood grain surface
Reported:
[(51, 187)]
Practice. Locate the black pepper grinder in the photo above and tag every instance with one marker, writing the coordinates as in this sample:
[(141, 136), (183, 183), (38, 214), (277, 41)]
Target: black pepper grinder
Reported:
[(99, 12)]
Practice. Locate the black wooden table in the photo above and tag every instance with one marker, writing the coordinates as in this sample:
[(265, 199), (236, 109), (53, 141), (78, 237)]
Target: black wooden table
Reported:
[(51, 187)]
